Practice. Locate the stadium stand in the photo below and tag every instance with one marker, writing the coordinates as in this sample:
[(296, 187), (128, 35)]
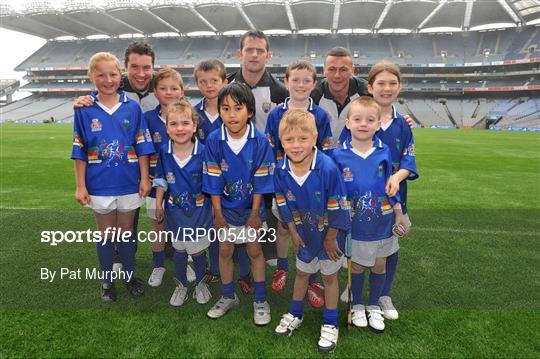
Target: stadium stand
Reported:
[(451, 79)]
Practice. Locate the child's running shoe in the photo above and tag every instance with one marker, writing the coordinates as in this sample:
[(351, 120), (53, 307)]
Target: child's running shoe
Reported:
[(261, 313), (287, 325), (279, 280), (375, 318), (201, 293), (359, 319), (108, 292), (315, 294), (135, 287), (328, 339), (156, 277), (389, 311), (179, 295), (245, 284), (222, 306), (190, 274)]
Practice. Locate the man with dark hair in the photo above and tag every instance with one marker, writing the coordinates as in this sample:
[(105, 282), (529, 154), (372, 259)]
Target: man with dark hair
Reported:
[(254, 54), (138, 80), (138, 83), (339, 88)]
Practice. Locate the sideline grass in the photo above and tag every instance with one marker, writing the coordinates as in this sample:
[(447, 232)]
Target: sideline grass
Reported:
[(467, 286)]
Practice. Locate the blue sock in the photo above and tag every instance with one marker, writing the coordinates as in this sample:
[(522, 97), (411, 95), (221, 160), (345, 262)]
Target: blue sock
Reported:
[(227, 290), (213, 253), (243, 260), (312, 278), (158, 258), (391, 266), (330, 316), (297, 308), (376, 282), (283, 263), (259, 294), (199, 262), (180, 260), (127, 256), (105, 257), (357, 287)]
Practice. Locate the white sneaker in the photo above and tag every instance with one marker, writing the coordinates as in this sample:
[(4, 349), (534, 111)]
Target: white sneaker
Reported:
[(375, 318), (156, 277), (344, 297), (328, 340), (201, 293), (359, 316), (222, 306), (190, 274), (261, 313), (287, 325), (179, 295), (388, 308)]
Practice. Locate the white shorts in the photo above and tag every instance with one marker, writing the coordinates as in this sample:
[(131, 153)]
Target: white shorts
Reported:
[(192, 246), (239, 234), (366, 252), (325, 266), (151, 207), (106, 204)]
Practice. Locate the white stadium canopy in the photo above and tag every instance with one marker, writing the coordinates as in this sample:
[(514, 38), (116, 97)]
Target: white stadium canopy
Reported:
[(120, 18)]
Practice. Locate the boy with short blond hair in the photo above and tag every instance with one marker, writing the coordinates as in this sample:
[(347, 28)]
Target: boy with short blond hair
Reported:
[(311, 200)]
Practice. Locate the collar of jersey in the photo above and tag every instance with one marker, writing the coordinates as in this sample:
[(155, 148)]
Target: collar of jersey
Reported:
[(347, 144), (314, 162), (286, 104), (251, 131), (196, 148), (123, 97), (264, 81)]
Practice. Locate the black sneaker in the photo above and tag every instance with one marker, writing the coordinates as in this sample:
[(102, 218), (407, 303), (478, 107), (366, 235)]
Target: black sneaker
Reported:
[(135, 287), (108, 292)]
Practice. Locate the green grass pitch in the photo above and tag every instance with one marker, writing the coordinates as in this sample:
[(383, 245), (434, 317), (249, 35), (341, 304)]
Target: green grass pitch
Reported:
[(468, 283)]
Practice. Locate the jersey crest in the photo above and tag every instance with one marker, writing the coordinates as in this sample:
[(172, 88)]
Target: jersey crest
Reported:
[(95, 126)]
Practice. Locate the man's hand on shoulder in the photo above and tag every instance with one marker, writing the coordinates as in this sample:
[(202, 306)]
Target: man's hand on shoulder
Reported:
[(83, 101)]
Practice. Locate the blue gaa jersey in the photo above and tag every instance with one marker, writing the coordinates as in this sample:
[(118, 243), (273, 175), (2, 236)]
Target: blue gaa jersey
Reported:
[(111, 142), (236, 177), (205, 126), (156, 126), (365, 181), (319, 203), (324, 137), (185, 204), (399, 139)]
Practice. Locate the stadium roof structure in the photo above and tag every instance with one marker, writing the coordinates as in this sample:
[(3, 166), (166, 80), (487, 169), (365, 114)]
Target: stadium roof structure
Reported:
[(127, 18)]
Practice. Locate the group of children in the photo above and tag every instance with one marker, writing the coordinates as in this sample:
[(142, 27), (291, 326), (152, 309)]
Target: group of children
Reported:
[(209, 167)]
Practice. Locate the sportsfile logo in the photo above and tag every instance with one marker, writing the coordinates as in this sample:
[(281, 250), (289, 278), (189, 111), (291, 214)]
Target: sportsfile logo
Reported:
[(116, 235)]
